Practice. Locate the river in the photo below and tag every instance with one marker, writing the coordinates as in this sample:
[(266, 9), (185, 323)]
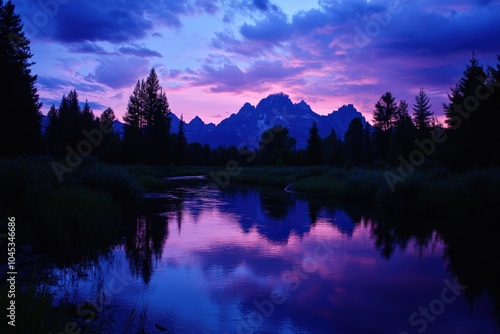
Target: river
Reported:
[(257, 260)]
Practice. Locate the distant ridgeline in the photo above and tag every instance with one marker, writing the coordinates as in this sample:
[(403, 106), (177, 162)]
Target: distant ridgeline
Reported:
[(250, 122)]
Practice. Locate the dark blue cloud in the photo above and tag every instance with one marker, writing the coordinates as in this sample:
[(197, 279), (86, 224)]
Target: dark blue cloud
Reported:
[(273, 28), (59, 84), (261, 4), (139, 51), (88, 47), (107, 20)]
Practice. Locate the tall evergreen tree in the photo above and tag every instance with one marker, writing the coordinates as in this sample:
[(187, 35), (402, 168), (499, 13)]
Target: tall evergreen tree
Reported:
[(313, 148), (467, 116), (70, 119), (147, 123), (53, 132), (384, 113), (422, 113), (19, 101), (66, 124), (88, 119), (134, 123), (383, 122)]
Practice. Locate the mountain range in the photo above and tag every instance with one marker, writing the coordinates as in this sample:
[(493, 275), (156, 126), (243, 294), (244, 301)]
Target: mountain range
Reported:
[(246, 126)]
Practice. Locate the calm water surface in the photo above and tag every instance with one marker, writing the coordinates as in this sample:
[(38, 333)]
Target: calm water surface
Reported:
[(263, 261)]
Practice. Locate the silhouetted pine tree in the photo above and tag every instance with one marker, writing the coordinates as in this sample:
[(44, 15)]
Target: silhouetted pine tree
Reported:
[(20, 106), (66, 125), (133, 140), (88, 119), (70, 119), (466, 115), (313, 148), (156, 110), (53, 132), (147, 124), (383, 121), (422, 114), (384, 113)]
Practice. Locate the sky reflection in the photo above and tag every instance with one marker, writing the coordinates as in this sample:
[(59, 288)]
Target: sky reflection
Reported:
[(253, 261)]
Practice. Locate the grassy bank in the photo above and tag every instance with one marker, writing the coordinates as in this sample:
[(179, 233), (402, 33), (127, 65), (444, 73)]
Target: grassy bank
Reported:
[(427, 192), (85, 208)]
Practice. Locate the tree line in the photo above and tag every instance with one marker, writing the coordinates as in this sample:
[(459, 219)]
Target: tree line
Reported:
[(469, 139)]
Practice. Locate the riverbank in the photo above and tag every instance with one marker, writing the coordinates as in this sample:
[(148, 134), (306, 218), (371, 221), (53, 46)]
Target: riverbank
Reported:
[(432, 192)]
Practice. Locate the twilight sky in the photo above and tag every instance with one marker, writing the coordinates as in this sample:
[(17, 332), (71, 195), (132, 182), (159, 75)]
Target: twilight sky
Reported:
[(212, 56)]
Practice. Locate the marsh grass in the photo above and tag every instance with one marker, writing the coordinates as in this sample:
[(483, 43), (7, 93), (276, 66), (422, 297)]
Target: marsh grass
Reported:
[(81, 214), (34, 310)]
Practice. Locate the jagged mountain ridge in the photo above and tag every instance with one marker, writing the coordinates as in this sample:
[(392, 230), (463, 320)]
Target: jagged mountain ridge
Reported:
[(246, 126)]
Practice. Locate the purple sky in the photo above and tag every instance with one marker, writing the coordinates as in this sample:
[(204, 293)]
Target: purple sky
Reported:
[(214, 55)]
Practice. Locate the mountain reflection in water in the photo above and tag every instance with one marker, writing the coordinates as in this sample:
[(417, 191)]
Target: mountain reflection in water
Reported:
[(248, 260)]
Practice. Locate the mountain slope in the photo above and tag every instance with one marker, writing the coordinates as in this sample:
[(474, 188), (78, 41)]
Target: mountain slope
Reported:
[(246, 126)]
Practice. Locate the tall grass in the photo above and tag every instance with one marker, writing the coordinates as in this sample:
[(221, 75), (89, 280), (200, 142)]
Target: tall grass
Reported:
[(34, 309), (79, 214)]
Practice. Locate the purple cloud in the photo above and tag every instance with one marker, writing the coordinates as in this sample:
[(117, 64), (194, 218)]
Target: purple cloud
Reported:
[(119, 72), (257, 77)]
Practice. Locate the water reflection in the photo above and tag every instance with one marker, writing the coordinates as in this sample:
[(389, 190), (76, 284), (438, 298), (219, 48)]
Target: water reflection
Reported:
[(145, 244), (264, 261)]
